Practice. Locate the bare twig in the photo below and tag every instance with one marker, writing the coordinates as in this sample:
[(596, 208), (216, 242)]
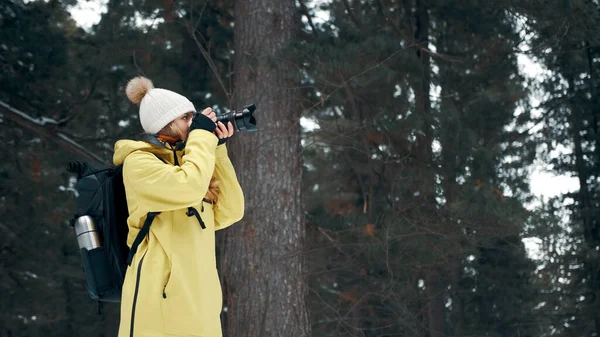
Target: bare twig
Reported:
[(389, 20), (307, 14), (70, 116), (206, 54), (353, 16), (136, 64)]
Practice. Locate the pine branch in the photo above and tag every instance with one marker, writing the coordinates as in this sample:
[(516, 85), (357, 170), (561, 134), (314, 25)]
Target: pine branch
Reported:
[(47, 128)]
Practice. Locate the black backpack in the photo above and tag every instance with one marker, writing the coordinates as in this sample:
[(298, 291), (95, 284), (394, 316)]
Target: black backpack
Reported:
[(101, 195)]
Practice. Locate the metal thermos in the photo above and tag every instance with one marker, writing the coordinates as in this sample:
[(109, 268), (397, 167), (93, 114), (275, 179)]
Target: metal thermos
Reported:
[(87, 235)]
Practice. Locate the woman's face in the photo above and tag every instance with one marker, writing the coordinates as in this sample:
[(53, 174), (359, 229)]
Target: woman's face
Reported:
[(184, 122)]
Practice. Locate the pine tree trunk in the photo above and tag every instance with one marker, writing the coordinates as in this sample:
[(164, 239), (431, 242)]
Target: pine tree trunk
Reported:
[(262, 263)]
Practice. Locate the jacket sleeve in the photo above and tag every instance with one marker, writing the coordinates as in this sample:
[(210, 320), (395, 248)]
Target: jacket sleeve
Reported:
[(230, 206), (161, 187)]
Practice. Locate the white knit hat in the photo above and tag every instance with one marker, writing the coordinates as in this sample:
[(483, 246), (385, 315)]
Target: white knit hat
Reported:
[(158, 107)]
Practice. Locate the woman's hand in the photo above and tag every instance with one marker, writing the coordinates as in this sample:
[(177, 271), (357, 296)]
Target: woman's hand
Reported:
[(223, 132), (208, 112)]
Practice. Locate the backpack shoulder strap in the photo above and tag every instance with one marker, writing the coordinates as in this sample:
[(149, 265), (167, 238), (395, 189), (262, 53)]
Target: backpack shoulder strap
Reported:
[(145, 229), (140, 237)]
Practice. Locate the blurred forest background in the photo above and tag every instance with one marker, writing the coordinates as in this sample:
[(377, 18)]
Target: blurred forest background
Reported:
[(388, 189)]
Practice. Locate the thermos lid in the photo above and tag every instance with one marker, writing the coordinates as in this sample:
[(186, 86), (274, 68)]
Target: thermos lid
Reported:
[(84, 224), (87, 237)]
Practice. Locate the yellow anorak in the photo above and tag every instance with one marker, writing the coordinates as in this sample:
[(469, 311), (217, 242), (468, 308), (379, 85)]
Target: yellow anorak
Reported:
[(172, 287)]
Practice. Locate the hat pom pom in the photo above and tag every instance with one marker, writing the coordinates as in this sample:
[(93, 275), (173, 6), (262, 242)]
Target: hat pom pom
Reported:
[(137, 88)]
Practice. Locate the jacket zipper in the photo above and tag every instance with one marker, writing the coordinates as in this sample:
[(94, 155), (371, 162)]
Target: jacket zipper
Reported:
[(175, 157), (135, 295)]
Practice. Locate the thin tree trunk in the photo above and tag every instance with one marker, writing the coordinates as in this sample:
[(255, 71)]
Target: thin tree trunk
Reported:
[(70, 313), (435, 296), (449, 153), (450, 140), (593, 84), (434, 284), (262, 262), (586, 209)]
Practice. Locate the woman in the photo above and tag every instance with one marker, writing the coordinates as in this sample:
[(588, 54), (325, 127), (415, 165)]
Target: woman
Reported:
[(185, 177)]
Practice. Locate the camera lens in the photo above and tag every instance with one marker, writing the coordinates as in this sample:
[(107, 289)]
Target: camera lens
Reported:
[(242, 120)]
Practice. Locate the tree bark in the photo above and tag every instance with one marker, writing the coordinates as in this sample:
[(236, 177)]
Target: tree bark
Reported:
[(261, 257)]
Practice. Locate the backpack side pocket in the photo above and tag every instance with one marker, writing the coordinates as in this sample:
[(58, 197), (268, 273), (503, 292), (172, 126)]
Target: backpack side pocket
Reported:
[(98, 277)]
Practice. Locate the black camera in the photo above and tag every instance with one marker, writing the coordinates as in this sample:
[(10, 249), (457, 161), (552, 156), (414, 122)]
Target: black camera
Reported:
[(241, 120)]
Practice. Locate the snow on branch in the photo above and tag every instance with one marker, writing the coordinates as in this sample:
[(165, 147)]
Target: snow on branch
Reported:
[(47, 128), (42, 121)]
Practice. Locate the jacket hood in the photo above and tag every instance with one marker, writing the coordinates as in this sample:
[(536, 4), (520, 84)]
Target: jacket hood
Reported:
[(125, 147)]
